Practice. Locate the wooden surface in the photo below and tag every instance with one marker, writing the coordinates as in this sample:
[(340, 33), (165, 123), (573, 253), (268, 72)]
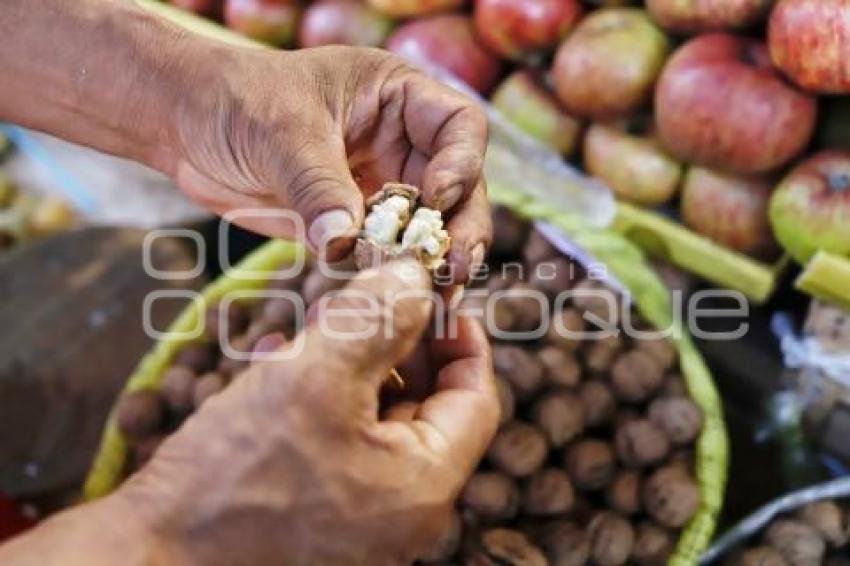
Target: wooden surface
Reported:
[(71, 320)]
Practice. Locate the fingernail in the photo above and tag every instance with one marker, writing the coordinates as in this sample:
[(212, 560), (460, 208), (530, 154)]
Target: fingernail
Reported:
[(329, 226), (449, 197)]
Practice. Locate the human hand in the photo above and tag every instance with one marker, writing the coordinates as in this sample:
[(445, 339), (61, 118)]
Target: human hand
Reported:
[(316, 131), (291, 463)]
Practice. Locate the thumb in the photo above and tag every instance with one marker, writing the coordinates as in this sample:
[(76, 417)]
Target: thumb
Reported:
[(318, 185), (366, 329)]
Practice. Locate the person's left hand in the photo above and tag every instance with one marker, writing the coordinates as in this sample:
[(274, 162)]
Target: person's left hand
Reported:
[(317, 130)]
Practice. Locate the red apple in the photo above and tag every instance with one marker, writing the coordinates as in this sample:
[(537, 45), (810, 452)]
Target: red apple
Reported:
[(208, 8), (697, 16), (414, 8), (721, 104), (729, 209), (522, 29), (608, 65), (632, 163), (447, 42), (525, 101), (270, 21), (810, 41), (810, 209), (342, 22)]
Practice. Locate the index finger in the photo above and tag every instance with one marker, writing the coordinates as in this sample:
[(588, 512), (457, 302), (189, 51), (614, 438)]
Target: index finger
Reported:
[(464, 409), (450, 129)]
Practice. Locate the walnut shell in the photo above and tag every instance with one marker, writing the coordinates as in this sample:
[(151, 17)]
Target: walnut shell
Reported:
[(679, 417), (653, 545), (537, 249), (218, 325), (492, 496), (641, 443), (565, 330), (140, 414), (828, 519), (623, 495), (177, 387), (519, 449), (611, 539), (600, 302), (200, 357), (759, 556), (505, 546), (797, 542), (560, 415), (636, 376), (560, 368), (599, 403), (671, 496), (660, 349), (548, 492), (521, 368), (525, 305), (599, 353), (590, 464), (553, 276), (564, 543)]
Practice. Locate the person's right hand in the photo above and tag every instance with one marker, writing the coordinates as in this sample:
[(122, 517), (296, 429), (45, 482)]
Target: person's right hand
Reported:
[(292, 465)]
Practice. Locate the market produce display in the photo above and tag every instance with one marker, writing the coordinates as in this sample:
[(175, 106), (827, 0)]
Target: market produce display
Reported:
[(818, 533), (594, 460), (694, 109)]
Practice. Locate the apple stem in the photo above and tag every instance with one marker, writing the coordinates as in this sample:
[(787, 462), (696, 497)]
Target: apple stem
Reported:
[(838, 181)]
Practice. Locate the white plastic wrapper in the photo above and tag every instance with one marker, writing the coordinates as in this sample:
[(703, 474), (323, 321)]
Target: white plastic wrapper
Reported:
[(104, 190), (810, 353)]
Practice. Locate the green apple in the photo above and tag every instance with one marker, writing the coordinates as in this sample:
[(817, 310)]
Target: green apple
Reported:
[(810, 209), (632, 164), (607, 67), (525, 101)]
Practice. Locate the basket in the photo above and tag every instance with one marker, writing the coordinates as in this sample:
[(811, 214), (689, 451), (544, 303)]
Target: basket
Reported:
[(625, 262)]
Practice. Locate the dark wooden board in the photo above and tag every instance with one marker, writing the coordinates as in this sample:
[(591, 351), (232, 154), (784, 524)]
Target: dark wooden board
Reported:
[(71, 332)]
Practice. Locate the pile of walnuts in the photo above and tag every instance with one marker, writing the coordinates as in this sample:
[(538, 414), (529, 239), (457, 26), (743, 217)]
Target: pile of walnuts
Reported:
[(818, 533), (200, 369), (593, 460)]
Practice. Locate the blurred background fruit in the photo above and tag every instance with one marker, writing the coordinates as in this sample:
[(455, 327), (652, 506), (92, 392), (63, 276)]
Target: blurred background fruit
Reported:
[(697, 16), (810, 209), (607, 67), (524, 100), (631, 161), (448, 42), (810, 41), (343, 22), (720, 103), (524, 30), (729, 209), (208, 8), (270, 21), (414, 8)]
